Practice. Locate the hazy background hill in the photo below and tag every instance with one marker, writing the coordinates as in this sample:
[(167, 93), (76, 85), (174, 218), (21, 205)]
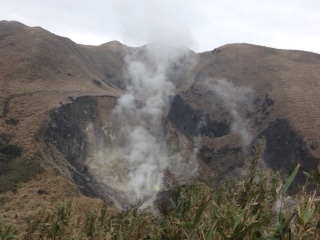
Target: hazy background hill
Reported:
[(57, 97)]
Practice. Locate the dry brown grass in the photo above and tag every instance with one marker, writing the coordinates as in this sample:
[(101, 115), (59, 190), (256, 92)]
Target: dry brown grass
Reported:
[(44, 191)]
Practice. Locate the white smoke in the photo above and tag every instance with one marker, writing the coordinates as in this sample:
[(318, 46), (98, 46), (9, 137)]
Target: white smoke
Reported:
[(137, 154), (193, 169), (141, 111), (161, 22), (197, 144), (237, 100)]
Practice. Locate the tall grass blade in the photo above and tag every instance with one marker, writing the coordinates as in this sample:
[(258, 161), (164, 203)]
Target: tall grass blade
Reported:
[(209, 235), (308, 215), (239, 217), (199, 212), (289, 180), (186, 225)]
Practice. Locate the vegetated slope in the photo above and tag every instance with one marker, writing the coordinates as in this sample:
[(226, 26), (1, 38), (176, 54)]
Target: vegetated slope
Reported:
[(52, 90), (40, 71)]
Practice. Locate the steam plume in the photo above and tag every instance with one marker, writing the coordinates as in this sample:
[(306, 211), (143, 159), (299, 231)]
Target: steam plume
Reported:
[(141, 110), (137, 155), (235, 99)]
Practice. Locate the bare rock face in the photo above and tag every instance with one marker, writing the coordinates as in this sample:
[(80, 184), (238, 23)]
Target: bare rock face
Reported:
[(285, 148), (57, 102)]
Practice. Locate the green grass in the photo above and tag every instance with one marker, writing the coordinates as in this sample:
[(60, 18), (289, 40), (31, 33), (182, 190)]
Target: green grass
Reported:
[(14, 167), (256, 207), (7, 232)]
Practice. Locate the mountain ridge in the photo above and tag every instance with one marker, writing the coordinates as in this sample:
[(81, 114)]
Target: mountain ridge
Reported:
[(52, 89)]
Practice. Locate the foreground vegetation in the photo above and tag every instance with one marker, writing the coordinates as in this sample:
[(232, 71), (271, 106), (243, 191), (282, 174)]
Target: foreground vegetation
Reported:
[(15, 168), (254, 208)]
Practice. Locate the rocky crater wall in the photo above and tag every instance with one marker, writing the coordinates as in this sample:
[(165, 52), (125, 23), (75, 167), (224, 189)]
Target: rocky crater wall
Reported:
[(84, 133)]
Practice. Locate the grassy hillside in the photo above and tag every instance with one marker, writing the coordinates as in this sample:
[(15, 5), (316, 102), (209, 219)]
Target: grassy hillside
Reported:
[(256, 207), (42, 73)]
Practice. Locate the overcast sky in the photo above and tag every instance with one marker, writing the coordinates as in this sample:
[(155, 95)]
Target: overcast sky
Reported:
[(199, 24)]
